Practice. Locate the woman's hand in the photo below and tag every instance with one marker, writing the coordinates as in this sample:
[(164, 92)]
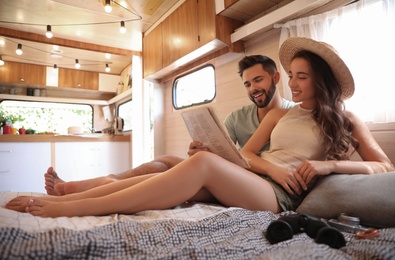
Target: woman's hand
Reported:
[(289, 179), (310, 170)]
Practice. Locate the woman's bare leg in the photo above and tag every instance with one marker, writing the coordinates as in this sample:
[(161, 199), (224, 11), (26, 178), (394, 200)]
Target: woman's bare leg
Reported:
[(21, 202), (57, 187), (228, 183)]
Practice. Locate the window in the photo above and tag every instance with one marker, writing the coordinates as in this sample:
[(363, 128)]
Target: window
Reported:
[(197, 87), (125, 112), (368, 51), (48, 116)]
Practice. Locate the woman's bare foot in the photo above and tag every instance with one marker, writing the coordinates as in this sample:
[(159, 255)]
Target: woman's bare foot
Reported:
[(53, 183), (18, 204), (45, 209)]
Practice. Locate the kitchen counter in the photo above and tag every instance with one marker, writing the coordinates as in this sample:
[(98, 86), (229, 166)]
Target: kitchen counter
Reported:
[(65, 138)]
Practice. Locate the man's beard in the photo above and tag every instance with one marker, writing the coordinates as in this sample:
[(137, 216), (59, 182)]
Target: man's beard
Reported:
[(268, 96)]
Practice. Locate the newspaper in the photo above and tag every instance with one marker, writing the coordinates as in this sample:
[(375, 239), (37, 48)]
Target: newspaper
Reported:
[(204, 126)]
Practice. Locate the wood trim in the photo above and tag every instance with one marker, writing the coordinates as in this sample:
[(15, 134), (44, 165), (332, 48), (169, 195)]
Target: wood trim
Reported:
[(65, 42)]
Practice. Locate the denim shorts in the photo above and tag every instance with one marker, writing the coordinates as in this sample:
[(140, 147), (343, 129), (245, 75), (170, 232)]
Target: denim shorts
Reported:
[(285, 200)]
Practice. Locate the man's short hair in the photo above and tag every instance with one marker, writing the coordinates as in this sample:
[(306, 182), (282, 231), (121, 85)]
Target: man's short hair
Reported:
[(248, 61)]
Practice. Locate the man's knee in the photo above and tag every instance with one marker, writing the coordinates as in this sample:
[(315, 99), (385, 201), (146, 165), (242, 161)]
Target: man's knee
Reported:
[(168, 160)]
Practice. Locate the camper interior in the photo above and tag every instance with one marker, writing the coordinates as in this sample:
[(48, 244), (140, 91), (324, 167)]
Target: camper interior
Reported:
[(140, 67)]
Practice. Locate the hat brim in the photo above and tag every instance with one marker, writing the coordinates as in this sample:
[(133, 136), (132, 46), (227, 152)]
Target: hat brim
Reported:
[(339, 68)]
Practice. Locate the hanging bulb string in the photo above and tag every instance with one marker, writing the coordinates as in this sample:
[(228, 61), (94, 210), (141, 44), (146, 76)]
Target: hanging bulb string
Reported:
[(86, 62), (74, 24)]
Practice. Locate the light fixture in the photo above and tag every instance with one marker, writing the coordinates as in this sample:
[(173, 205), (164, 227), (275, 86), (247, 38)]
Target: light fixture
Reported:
[(1, 61), (55, 67), (19, 49), (77, 64), (49, 32), (108, 55), (122, 29), (108, 7), (107, 68)]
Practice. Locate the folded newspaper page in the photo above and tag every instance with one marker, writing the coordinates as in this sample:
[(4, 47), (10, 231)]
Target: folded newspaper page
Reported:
[(204, 126)]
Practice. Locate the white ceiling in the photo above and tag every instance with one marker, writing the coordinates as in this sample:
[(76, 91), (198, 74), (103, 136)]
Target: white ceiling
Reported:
[(80, 21), (84, 31)]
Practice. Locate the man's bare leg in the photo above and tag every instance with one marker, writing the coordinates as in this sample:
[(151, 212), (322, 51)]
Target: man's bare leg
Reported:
[(57, 187), (230, 184)]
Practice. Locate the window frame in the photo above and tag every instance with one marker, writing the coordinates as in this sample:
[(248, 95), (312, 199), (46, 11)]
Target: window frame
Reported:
[(174, 85), (119, 105)]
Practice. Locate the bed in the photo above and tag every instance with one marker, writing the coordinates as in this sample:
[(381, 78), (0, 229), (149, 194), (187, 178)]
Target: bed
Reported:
[(189, 231), (209, 231)]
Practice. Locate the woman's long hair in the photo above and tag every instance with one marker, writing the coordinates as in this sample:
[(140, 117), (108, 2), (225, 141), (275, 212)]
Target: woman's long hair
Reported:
[(336, 128)]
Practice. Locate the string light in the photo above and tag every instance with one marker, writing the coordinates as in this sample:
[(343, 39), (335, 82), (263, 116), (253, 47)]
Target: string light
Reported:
[(107, 68), (107, 55), (49, 32), (1, 61), (123, 28), (19, 49), (108, 7), (77, 64)]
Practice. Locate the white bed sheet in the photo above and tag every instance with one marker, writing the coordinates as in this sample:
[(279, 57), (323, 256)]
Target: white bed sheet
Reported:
[(27, 222)]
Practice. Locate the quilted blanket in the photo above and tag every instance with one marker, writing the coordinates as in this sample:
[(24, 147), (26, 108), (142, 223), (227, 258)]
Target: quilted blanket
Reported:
[(228, 234)]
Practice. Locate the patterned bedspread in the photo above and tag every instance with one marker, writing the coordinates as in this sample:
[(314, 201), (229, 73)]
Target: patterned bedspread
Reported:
[(196, 231)]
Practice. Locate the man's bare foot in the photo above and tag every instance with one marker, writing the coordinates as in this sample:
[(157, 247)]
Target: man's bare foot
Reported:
[(52, 182)]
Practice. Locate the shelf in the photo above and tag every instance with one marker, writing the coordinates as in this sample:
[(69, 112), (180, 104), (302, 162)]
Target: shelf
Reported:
[(124, 95)]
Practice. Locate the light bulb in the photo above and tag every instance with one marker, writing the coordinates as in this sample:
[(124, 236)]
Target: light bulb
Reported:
[(49, 32), (55, 67), (1, 61), (77, 64), (122, 29), (107, 68), (19, 49), (108, 7)]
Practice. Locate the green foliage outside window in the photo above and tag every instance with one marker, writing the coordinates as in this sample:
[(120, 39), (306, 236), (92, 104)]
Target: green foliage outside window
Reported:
[(47, 117)]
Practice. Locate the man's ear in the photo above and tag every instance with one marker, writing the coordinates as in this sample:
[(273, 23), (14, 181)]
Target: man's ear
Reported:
[(276, 77)]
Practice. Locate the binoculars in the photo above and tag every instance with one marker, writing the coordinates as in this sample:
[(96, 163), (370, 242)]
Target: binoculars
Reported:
[(286, 226)]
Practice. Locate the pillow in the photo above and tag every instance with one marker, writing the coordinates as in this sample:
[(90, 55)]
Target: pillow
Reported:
[(369, 197)]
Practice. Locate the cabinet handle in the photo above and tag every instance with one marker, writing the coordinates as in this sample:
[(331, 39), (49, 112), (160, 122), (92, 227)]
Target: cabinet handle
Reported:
[(5, 171), (7, 151)]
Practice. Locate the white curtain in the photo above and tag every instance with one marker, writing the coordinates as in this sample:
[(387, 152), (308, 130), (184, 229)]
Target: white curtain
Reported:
[(363, 33)]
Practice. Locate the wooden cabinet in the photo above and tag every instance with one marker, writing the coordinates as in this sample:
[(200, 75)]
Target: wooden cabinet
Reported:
[(70, 78), (152, 51), (180, 32), (22, 166), (15, 72), (191, 31), (83, 160)]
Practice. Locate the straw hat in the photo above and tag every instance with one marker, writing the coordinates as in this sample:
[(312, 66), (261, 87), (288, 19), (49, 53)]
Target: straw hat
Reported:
[(326, 52)]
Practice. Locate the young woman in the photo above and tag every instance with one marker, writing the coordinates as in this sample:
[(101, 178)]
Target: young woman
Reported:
[(312, 139)]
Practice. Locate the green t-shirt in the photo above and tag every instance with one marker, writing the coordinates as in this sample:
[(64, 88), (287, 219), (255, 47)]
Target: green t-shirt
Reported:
[(243, 122)]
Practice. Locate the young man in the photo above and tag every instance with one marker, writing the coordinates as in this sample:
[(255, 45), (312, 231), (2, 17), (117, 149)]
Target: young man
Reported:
[(259, 75)]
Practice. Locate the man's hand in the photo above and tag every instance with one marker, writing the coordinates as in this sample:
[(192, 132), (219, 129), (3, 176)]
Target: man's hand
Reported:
[(195, 147)]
